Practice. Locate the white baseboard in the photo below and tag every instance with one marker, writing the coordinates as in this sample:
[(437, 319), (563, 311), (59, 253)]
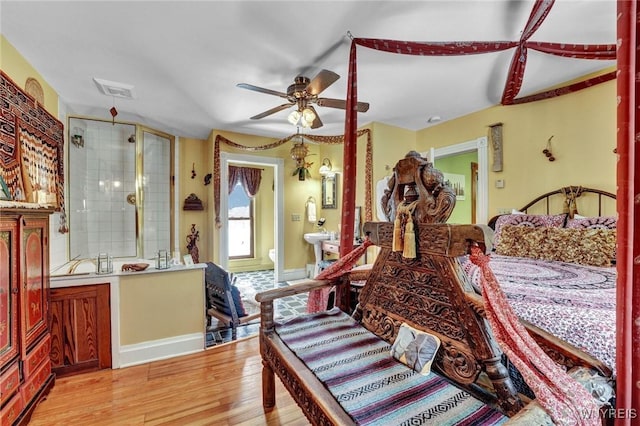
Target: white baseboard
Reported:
[(294, 274), (154, 350)]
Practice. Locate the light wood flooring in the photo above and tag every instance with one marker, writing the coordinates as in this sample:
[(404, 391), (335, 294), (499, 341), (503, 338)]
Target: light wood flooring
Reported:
[(220, 386)]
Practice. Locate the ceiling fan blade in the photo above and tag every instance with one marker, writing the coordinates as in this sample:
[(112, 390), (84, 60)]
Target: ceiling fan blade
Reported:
[(324, 79), (261, 90), (342, 104), (271, 111), (316, 122)]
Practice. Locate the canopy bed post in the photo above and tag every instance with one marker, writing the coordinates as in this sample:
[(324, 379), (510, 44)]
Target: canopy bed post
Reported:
[(628, 288)]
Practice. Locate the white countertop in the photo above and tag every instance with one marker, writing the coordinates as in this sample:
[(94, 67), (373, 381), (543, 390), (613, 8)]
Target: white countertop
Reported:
[(89, 278)]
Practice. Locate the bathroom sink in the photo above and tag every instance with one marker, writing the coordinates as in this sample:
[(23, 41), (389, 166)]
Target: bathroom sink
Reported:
[(315, 237)]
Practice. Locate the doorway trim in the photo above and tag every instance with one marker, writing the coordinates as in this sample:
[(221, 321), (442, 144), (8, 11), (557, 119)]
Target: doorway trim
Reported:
[(479, 145), (278, 206)]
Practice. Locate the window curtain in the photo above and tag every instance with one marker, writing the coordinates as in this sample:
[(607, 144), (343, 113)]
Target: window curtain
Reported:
[(249, 178)]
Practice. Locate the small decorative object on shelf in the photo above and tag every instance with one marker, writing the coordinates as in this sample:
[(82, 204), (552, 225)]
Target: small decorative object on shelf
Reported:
[(134, 267), (162, 260), (192, 238), (192, 202), (105, 264)]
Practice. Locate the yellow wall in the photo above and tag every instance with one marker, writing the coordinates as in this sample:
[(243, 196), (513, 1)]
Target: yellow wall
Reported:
[(193, 155), (19, 69), (583, 126), (161, 305)]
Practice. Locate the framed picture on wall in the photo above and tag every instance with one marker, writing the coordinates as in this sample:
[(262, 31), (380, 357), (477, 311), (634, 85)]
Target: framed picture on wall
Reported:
[(457, 183)]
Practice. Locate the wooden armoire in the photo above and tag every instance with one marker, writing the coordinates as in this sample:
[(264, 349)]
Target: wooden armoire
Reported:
[(25, 365)]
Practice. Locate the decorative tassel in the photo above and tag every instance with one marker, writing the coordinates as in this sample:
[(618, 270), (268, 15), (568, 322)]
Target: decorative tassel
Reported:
[(397, 231), (409, 240)]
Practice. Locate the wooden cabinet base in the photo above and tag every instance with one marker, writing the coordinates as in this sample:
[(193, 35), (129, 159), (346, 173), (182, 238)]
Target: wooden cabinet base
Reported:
[(80, 325), (7, 416)]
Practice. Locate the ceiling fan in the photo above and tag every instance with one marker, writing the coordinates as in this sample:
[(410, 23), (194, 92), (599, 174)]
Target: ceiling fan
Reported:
[(303, 93)]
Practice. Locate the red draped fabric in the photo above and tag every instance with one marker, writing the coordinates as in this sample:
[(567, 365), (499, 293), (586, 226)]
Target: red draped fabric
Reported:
[(578, 51), (349, 159), (566, 89), (516, 70), (419, 48), (318, 299), (628, 200)]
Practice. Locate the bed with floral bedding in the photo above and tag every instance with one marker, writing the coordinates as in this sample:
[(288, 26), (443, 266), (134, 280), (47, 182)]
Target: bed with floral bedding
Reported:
[(558, 272)]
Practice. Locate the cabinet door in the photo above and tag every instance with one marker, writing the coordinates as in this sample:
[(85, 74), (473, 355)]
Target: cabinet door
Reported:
[(8, 291), (80, 329), (34, 279)]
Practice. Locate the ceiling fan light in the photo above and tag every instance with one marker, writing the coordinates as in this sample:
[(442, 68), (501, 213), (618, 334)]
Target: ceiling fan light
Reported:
[(294, 117), (308, 115)]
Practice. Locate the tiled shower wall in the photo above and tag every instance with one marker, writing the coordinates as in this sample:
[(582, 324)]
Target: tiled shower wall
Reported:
[(155, 184), (102, 175)]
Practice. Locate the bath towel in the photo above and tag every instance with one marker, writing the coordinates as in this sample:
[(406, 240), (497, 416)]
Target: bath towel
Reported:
[(311, 211)]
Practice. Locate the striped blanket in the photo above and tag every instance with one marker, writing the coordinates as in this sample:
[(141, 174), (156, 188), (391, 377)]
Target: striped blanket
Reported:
[(375, 389)]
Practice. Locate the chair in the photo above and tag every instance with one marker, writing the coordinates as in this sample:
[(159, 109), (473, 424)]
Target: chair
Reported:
[(224, 301)]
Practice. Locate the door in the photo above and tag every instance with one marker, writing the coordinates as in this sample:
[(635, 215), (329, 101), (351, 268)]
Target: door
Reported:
[(8, 291), (34, 281)]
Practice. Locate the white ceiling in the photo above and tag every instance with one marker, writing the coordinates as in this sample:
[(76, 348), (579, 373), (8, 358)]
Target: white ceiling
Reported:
[(184, 58)]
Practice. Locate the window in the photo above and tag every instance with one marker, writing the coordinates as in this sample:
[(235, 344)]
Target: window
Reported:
[(240, 223)]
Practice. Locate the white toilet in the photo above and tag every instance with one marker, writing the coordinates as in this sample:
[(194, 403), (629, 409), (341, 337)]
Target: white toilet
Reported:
[(272, 255)]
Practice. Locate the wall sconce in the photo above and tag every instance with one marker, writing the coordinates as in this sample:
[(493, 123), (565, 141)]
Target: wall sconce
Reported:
[(325, 168), (547, 151)]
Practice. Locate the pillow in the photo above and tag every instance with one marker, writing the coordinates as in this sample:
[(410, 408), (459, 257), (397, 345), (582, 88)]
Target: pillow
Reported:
[(529, 220), (595, 247), (415, 349), (598, 222), (220, 303)]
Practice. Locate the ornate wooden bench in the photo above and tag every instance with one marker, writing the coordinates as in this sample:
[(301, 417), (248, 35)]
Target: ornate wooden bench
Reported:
[(429, 292)]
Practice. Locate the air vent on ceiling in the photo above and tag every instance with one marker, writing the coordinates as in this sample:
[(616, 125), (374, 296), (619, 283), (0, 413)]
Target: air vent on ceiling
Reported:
[(112, 88)]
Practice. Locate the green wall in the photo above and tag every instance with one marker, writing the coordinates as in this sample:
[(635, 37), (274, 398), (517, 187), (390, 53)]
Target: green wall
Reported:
[(460, 165)]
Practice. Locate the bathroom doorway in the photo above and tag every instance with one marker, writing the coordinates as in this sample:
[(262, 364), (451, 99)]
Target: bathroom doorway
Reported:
[(278, 205)]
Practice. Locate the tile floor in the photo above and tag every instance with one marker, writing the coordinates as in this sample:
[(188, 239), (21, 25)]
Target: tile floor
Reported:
[(250, 283)]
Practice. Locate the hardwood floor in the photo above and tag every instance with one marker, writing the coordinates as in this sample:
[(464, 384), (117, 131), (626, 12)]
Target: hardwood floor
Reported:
[(220, 386)]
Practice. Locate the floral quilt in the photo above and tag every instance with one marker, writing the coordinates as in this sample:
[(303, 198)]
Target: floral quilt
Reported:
[(576, 303)]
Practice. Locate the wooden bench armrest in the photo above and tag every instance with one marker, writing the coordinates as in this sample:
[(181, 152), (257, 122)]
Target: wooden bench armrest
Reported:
[(302, 287), (267, 297)]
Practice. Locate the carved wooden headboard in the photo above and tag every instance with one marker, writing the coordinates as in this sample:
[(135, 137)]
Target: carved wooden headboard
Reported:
[(428, 291)]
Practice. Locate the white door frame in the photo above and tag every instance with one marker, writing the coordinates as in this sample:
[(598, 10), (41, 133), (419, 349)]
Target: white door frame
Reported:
[(480, 145), (278, 207)]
